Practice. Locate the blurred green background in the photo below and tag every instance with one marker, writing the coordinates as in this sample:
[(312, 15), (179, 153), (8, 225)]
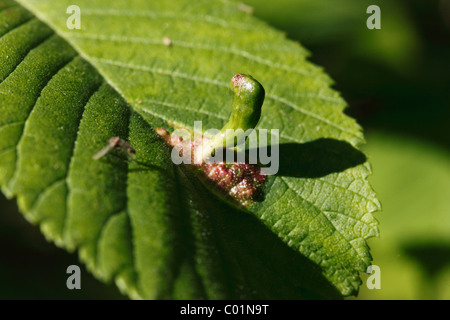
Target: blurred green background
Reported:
[(397, 83)]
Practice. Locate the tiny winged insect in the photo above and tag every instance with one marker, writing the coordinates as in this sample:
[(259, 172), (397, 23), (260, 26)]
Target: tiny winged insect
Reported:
[(118, 144)]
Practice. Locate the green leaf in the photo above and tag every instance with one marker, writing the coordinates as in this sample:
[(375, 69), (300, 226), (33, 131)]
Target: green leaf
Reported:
[(149, 225)]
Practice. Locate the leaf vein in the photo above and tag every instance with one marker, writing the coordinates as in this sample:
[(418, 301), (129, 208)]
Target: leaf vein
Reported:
[(177, 74), (22, 134), (186, 44), (348, 190), (165, 14), (71, 159), (40, 42), (320, 212), (173, 106)]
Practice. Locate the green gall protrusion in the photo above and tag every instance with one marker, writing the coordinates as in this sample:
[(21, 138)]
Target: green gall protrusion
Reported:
[(248, 98)]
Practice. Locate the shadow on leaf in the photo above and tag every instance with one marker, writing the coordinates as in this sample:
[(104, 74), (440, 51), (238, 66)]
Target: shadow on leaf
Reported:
[(318, 158), (315, 159)]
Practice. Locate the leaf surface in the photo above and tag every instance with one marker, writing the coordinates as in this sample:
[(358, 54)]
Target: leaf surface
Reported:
[(149, 225)]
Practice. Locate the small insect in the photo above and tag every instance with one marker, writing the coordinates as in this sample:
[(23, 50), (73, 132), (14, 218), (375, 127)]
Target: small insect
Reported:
[(118, 144)]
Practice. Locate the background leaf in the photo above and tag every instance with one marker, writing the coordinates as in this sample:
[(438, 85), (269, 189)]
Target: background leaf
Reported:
[(342, 25), (404, 63), (413, 179), (150, 226)]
